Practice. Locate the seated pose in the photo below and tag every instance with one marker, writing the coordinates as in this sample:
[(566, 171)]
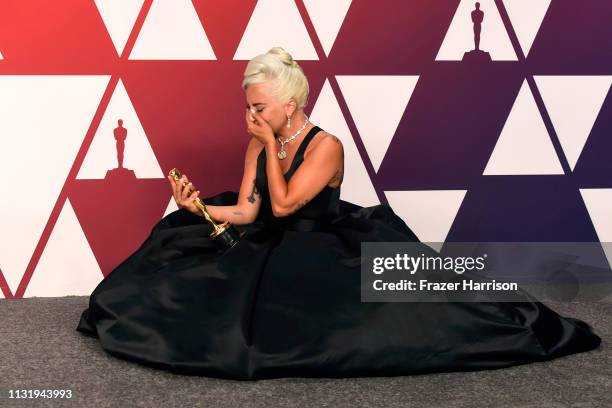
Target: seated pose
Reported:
[(286, 299)]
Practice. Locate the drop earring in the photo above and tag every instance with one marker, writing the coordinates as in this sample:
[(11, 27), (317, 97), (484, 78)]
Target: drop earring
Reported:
[(288, 121)]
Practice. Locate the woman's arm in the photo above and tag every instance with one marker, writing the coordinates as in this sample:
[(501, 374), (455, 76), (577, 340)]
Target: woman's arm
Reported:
[(249, 200), (310, 178)]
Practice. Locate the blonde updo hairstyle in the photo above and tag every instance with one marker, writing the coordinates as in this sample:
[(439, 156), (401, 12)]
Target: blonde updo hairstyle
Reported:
[(286, 77)]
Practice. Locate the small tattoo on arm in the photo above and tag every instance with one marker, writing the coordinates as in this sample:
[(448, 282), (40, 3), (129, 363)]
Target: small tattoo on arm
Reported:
[(238, 213), (338, 176), (300, 205), (251, 197)]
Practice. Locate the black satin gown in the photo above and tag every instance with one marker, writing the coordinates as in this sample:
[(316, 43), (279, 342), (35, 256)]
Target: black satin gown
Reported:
[(286, 301)]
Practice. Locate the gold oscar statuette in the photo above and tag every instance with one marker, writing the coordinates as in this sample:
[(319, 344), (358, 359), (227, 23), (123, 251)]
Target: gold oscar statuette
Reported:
[(224, 235)]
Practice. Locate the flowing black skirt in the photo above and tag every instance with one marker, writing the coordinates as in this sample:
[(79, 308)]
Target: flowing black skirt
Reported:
[(287, 302)]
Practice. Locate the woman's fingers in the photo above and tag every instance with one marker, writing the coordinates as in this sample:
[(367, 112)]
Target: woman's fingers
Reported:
[(185, 192), (174, 188), (249, 116), (181, 193), (193, 197), (252, 127), (172, 183), (255, 116), (248, 121)]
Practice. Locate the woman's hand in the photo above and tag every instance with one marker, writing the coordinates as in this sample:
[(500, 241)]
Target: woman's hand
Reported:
[(258, 127), (181, 194)]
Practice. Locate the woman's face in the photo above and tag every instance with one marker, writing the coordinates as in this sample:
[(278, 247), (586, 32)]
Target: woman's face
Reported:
[(259, 97)]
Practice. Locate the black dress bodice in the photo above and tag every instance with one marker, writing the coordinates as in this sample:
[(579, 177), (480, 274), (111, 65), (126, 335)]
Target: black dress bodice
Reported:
[(323, 207)]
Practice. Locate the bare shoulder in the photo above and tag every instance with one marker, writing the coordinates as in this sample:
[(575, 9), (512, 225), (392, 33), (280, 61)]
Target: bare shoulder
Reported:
[(324, 140), (332, 138)]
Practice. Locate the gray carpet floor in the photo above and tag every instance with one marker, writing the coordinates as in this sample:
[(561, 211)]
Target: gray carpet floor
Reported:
[(41, 349)]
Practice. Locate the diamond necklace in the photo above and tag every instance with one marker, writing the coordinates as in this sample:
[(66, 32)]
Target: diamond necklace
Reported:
[(282, 153)]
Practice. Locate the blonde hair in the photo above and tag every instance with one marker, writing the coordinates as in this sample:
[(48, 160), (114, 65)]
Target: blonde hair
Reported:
[(285, 75)]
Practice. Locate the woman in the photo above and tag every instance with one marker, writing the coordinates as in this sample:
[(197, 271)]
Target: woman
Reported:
[(286, 300)]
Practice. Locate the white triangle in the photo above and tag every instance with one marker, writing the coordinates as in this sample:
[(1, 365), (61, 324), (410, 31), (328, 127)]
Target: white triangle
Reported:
[(327, 18), (460, 35), (1, 57), (276, 24), (598, 202), (428, 213), (119, 17), (573, 103), (377, 104), (172, 31), (102, 153), (43, 121), (171, 207), (356, 186), (67, 266), (526, 18), (524, 146)]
